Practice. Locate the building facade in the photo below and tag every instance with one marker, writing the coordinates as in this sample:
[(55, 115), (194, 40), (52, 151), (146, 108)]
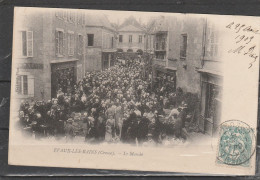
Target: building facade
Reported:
[(186, 57), (211, 80), (101, 43), (50, 52), (131, 38)]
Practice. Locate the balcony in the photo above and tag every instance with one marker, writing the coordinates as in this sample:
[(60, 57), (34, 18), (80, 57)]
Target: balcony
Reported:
[(160, 46)]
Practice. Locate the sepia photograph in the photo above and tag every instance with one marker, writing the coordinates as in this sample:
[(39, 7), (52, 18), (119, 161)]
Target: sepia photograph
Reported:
[(139, 80), (117, 80)]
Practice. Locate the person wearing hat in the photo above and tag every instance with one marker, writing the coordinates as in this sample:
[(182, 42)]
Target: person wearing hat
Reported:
[(69, 130)]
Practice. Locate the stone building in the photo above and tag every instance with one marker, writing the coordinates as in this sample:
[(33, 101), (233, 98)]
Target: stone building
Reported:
[(49, 51), (186, 57), (131, 36), (101, 43)]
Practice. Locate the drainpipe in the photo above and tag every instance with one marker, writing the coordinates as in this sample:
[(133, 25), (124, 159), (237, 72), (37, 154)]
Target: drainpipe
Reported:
[(204, 39), (167, 47), (84, 56)]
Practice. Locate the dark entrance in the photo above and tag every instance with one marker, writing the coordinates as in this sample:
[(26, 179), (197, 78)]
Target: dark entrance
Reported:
[(105, 61), (63, 76)]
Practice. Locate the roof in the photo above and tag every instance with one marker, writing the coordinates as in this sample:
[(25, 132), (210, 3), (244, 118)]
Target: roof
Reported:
[(130, 28), (98, 20), (171, 68), (63, 61), (131, 24)]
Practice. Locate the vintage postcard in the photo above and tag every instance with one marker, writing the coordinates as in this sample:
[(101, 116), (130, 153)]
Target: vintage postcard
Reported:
[(142, 91)]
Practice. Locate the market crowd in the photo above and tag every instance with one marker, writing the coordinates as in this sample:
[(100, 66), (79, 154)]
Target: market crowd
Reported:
[(114, 105)]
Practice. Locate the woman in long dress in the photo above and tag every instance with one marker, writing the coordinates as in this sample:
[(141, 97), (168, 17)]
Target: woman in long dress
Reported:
[(110, 128)]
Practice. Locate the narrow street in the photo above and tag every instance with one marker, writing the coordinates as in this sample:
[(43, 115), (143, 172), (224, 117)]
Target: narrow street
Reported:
[(112, 106)]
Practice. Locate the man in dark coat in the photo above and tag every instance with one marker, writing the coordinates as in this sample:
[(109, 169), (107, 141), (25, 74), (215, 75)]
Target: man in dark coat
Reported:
[(141, 129)]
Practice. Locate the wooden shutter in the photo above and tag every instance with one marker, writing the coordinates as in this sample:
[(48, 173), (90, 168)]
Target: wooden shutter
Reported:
[(18, 87), (29, 43), (56, 43), (63, 43), (30, 85), (25, 84), (73, 43), (69, 43)]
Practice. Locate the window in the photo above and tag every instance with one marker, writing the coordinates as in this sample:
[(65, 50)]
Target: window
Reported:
[(183, 50), (211, 42), (163, 43), (120, 38), (157, 46), (26, 43), (90, 39), (80, 44), (22, 84), (59, 42), (130, 38), (140, 38), (71, 45)]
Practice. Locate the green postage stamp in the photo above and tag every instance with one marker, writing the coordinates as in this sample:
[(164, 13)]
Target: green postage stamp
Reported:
[(236, 143)]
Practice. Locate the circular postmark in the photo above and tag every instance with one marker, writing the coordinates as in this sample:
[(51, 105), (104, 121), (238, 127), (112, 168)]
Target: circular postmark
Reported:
[(236, 143)]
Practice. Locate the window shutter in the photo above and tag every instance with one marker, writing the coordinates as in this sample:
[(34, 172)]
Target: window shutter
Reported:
[(18, 87), (63, 43), (30, 43), (69, 42), (73, 43), (30, 85), (56, 43), (25, 85)]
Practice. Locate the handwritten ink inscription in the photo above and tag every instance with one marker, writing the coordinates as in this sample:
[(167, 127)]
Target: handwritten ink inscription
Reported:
[(244, 41)]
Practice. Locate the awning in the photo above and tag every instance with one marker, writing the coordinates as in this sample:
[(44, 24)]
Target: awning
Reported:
[(210, 72), (63, 61)]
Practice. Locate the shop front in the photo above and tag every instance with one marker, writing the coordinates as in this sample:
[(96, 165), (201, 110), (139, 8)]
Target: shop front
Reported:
[(211, 93), (63, 76), (164, 77)]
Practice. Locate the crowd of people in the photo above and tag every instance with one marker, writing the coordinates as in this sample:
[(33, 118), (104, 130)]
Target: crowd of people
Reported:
[(114, 105)]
